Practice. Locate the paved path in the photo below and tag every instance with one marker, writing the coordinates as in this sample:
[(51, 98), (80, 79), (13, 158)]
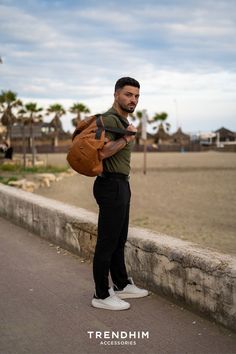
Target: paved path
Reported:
[(45, 296)]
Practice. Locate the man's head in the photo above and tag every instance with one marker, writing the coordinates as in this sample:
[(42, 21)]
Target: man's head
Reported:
[(126, 94)]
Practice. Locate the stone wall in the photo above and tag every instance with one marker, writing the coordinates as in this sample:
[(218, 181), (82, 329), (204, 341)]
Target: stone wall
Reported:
[(202, 278)]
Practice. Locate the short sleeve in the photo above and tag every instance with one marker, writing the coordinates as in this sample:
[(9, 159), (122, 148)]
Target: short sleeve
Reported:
[(110, 121)]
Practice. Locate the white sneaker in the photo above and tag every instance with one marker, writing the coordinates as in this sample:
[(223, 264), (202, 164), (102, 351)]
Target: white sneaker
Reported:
[(111, 302), (131, 291)]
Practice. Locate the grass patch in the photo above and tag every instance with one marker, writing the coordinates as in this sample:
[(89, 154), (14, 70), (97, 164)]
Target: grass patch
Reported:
[(16, 172), (36, 169), (6, 180)]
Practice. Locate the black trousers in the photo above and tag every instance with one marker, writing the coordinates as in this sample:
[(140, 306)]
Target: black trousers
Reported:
[(113, 197)]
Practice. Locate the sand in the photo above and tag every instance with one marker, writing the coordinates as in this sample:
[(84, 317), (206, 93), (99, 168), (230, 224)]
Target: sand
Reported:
[(191, 196)]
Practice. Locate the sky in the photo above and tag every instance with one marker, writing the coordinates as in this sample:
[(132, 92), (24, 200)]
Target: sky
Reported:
[(182, 52)]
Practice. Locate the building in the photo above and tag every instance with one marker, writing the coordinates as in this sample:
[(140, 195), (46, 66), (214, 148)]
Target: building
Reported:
[(161, 137), (180, 138), (226, 135)]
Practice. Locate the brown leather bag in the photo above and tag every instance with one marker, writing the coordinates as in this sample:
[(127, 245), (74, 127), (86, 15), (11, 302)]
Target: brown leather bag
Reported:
[(87, 139)]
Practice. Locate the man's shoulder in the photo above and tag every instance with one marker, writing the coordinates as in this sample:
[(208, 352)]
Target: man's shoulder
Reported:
[(110, 119)]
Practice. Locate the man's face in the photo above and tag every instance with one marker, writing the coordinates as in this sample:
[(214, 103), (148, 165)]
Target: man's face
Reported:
[(127, 98)]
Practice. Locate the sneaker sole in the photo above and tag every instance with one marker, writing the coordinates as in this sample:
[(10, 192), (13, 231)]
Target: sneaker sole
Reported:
[(130, 296), (102, 306)]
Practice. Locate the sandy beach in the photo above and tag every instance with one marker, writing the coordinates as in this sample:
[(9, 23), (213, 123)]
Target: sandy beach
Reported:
[(191, 196)]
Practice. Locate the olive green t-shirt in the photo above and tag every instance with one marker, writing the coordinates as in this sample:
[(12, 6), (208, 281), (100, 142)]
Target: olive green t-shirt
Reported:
[(119, 162)]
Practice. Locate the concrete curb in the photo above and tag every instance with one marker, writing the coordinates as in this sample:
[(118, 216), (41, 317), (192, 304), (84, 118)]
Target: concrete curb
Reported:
[(203, 278)]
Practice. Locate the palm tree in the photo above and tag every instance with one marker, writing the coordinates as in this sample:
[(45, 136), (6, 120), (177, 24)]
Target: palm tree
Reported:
[(58, 111), (139, 116), (33, 110), (161, 117), (159, 120), (33, 118), (78, 108), (22, 120), (8, 101)]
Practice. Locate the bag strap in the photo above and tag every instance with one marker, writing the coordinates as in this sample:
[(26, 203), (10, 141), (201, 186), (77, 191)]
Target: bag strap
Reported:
[(101, 127)]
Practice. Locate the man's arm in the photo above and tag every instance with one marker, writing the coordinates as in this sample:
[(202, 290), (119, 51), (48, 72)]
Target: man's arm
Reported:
[(112, 147)]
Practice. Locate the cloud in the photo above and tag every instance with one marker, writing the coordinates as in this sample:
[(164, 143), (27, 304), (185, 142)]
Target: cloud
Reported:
[(75, 51)]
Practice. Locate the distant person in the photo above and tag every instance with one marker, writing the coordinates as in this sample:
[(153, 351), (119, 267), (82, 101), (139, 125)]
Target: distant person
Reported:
[(2, 152), (8, 151), (112, 193)]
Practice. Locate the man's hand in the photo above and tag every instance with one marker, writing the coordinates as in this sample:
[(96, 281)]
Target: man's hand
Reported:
[(112, 147), (131, 128)]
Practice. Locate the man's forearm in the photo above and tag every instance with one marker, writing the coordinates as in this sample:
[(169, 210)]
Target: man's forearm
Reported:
[(111, 148)]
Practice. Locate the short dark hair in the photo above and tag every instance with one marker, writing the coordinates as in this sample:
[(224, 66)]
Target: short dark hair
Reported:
[(123, 81)]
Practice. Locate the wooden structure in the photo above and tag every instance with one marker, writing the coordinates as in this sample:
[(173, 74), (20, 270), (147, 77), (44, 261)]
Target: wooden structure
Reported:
[(161, 137), (180, 138), (226, 135)]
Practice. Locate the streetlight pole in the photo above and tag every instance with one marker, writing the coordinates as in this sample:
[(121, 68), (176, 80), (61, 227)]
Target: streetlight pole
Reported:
[(176, 114), (144, 138)]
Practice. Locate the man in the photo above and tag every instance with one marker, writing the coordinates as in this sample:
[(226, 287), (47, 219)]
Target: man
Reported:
[(112, 193)]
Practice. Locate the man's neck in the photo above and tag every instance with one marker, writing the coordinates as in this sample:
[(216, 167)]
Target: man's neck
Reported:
[(119, 110)]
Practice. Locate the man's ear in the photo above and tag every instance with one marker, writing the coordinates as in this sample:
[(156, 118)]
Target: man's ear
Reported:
[(116, 93)]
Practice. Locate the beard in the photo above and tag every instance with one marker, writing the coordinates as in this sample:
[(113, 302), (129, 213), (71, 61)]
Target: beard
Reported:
[(127, 109)]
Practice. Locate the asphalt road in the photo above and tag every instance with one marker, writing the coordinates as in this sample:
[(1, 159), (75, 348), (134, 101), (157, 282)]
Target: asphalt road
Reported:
[(45, 297)]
